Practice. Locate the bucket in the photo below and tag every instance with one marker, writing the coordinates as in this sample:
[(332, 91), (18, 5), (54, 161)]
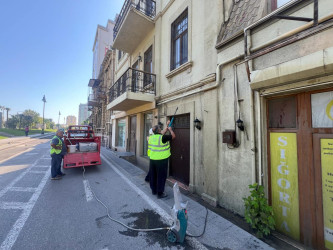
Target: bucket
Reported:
[(71, 148)]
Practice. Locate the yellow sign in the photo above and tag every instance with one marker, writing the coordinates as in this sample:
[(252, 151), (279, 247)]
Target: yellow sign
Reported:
[(328, 110), (327, 182), (284, 182)]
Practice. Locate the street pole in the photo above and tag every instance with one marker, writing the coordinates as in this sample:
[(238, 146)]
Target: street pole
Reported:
[(44, 101), (59, 119)]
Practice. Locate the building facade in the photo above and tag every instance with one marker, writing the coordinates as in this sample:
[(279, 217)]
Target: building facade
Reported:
[(71, 120), (275, 63), (83, 113), (103, 73), (251, 84)]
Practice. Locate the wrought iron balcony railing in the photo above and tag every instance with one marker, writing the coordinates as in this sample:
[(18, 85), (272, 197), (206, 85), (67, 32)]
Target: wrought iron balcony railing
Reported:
[(147, 7), (134, 81), (92, 98)]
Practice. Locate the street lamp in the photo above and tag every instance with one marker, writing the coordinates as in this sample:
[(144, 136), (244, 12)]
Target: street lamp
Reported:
[(59, 119), (44, 101)]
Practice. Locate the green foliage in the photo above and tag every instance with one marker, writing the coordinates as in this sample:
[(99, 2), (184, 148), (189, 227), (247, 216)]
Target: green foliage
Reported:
[(30, 118), (17, 132), (3, 137), (257, 211), (13, 122)]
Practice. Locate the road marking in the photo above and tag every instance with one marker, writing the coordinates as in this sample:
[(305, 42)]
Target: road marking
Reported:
[(42, 166), (13, 205), (36, 172), (15, 155), (19, 224), (165, 216), (87, 190), (23, 189), (3, 191)]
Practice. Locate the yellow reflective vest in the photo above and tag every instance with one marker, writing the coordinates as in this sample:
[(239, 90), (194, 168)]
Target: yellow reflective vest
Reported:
[(157, 149), (53, 150)]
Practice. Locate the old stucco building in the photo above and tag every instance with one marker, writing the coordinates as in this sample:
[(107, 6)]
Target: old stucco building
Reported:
[(256, 76), (276, 67)]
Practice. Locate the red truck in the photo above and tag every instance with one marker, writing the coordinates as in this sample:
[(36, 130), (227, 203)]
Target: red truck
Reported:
[(83, 147)]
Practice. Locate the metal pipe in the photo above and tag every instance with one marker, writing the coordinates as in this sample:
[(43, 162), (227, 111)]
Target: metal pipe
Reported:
[(315, 12), (277, 11), (217, 82), (292, 32), (259, 139), (253, 143)]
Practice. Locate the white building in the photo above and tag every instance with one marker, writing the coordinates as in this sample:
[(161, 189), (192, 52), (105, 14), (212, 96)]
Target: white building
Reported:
[(103, 41), (83, 113)]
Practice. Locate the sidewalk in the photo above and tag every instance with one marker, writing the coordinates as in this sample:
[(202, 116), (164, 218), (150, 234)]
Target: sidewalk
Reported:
[(219, 234)]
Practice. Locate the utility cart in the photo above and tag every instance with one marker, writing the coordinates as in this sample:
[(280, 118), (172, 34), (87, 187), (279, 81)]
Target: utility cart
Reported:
[(83, 147)]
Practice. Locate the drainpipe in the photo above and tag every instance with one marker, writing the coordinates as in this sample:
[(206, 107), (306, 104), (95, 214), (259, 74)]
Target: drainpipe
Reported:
[(252, 122), (217, 82), (292, 32), (259, 149)]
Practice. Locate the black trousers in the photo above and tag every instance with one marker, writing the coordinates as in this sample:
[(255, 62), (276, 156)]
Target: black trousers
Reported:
[(158, 170)]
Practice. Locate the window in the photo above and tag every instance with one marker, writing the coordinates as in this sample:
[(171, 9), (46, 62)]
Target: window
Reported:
[(120, 54), (121, 133), (179, 41), (282, 112), (278, 3)]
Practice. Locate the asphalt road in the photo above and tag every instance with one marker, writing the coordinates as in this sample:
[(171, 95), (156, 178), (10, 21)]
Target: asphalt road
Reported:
[(39, 213)]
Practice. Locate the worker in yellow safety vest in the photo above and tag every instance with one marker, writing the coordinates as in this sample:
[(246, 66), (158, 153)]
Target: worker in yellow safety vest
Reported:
[(159, 147), (57, 151)]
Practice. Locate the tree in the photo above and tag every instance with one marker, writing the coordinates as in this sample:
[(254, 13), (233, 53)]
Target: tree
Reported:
[(27, 120), (30, 121), (13, 122), (2, 108), (7, 114)]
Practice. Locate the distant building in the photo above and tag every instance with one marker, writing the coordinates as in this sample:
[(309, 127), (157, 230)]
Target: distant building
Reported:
[(102, 43), (83, 113), (0, 119), (71, 120)]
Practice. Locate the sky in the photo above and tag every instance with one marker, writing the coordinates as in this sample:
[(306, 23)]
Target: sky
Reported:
[(46, 49)]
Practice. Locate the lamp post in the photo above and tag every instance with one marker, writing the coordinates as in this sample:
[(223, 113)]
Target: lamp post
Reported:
[(59, 119), (44, 101)]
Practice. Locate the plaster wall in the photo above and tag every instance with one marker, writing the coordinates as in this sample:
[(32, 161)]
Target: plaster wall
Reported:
[(203, 20), (277, 27), (234, 163), (308, 55), (318, 41)]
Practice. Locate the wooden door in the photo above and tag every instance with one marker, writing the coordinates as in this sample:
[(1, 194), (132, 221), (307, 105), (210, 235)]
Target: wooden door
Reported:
[(180, 149), (132, 137), (323, 164), (303, 119)]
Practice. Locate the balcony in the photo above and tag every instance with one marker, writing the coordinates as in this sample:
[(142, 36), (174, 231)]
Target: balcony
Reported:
[(134, 88), (92, 100), (133, 24), (94, 83)]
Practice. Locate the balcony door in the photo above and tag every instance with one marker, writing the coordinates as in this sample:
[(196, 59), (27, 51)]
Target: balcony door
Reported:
[(148, 66), (135, 77)]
